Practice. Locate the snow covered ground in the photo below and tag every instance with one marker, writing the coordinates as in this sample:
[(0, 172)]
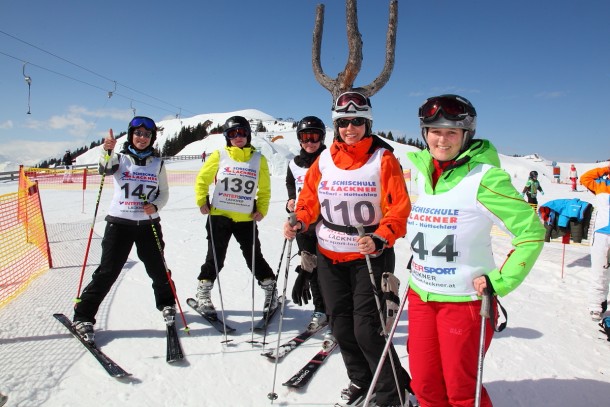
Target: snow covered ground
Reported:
[(551, 354)]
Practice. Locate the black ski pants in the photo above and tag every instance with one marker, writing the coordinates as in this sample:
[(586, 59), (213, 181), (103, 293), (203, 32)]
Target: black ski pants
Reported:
[(116, 245), (354, 319), (309, 242), (222, 230)]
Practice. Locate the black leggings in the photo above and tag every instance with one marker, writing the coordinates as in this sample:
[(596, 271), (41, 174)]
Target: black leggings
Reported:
[(354, 318), (223, 229), (116, 245)]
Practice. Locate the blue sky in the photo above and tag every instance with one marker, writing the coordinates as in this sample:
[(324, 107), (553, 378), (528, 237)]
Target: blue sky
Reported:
[(538, 72)]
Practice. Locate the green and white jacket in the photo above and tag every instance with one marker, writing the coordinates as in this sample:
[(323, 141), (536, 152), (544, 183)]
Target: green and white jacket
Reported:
[(449, 227)]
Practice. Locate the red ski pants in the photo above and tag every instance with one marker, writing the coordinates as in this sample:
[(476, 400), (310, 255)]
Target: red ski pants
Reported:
[(443, 347)]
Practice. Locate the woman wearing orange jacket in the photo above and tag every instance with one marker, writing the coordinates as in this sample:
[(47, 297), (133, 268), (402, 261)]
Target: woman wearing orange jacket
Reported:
[(597, 181), (357, 181)]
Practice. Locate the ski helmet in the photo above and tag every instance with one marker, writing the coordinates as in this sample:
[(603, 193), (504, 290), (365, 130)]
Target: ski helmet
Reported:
[(533, 174), (235, 122), (352, 104), (312, 124), (448, 111), (142, 121)]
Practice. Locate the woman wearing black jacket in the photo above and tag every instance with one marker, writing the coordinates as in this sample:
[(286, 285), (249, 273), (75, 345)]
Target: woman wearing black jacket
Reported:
[(310, 132)]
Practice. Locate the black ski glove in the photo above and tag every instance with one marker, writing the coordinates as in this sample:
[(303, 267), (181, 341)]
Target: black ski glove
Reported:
[(301, 292)]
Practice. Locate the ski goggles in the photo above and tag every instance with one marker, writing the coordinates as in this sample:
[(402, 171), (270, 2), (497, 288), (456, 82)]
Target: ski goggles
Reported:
[(356, 121), (142, 133), (451, 109), (309, 137), (236, 132), (354, 99), (141, 121)]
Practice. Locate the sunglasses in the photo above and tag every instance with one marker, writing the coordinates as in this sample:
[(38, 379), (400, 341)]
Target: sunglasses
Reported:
[(356, 121), (142, 133), (236, 132), (309, 137), (141, 121), (451, 109), (357, 100)]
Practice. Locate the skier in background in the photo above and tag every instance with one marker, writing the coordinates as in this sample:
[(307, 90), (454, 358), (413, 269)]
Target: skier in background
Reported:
[(531, 188), (573, 177), (67, 161)]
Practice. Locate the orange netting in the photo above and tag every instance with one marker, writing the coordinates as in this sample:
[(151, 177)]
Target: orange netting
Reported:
[(83, 178), (24, 247)]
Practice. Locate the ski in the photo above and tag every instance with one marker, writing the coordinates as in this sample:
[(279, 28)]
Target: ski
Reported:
[(268, 316), (359, 402), (174, 349), (111, 367), (292, 344), (212, 319), (303, 376)]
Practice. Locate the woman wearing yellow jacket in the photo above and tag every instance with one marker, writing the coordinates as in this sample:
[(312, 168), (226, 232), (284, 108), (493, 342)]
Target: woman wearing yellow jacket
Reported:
[(239, 200)]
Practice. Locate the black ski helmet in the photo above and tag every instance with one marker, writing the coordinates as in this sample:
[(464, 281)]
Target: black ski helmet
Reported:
[(235, 122), (448, 111), (142, 121), (533, 174), (312, 124)]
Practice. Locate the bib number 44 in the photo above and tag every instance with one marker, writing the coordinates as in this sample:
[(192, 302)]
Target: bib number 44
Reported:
[(445, 248)]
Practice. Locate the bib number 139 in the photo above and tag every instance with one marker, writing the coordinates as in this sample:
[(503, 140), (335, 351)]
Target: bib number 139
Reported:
[(237, 185)]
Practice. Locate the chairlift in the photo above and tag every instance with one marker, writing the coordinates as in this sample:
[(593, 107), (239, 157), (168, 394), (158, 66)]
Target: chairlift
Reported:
[(28, 80), (111, 92)]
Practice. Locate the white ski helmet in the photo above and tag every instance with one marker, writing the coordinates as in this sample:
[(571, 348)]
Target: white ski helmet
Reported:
[(352, 104)]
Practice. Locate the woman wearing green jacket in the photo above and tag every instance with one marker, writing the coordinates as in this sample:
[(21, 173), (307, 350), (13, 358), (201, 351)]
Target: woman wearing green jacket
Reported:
[(462, 192), (240, 199)]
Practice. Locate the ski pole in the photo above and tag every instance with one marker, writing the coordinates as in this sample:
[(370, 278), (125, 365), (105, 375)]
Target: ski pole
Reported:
[(565, 239), (167, 273), (252, 341), (360, 230), (222, 306), (273, 395), (485, 305), (279, 266), (97, 205), (277, 273), (386, 348)]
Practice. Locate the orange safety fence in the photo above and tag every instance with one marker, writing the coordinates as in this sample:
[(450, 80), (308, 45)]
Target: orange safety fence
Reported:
[(24, 246), (83, 178)]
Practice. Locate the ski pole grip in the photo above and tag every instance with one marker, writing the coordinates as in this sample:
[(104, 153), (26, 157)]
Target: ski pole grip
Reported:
[(360, 229), (485, 303), (109, 152), (292, 219)]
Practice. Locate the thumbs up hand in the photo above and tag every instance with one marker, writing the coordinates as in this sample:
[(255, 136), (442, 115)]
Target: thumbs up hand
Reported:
[(110, 141)]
